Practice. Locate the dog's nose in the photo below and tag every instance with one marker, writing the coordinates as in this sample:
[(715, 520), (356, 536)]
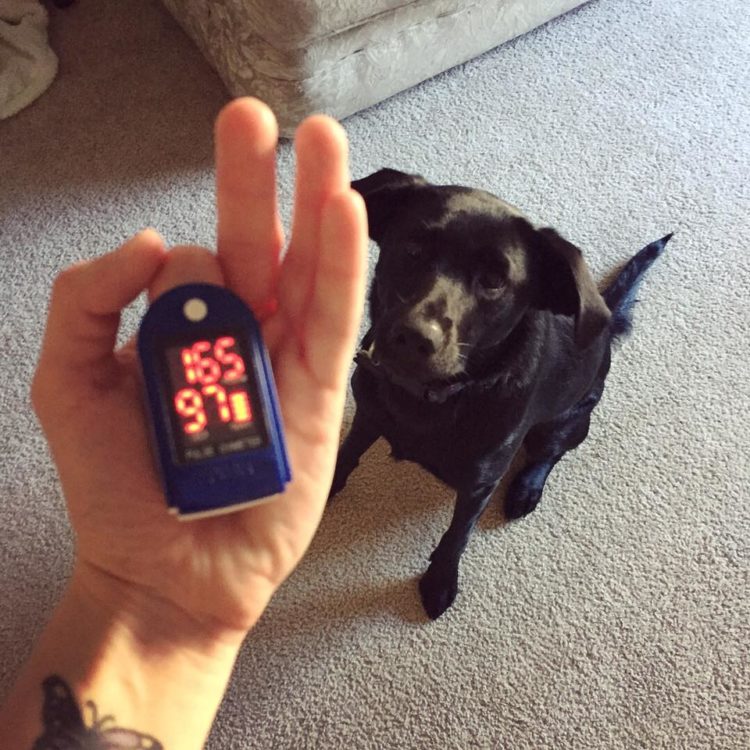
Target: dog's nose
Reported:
[(420, 339)]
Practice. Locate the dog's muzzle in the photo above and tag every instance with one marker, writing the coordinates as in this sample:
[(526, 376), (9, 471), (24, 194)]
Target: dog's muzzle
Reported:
[(431, 394)]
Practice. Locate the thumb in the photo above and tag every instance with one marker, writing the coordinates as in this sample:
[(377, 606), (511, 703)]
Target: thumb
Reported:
[(185, 264), (86, 302)]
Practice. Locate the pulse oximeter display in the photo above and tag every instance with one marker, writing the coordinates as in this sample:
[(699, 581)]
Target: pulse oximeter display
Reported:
[(211, 402), (213, 398)]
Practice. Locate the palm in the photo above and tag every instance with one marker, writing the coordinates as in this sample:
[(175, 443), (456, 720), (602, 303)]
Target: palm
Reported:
[(122, 526), (226, 567)]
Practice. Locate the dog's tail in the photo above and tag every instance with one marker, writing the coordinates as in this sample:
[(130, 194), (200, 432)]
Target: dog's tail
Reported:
[(620, 294)]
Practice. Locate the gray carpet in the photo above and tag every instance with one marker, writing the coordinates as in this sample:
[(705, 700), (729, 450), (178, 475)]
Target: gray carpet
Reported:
[(617, 615)]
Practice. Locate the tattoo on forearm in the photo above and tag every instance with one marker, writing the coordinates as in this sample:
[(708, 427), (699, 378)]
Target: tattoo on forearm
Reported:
[(65, 728)]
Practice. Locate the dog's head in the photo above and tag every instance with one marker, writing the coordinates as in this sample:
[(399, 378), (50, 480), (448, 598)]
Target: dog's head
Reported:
[(458, 270)]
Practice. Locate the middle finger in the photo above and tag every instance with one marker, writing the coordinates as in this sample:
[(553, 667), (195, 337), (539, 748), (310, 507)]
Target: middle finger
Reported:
[(249, 232)]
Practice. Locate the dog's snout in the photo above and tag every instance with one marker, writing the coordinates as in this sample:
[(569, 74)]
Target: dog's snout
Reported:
[(420, 339)]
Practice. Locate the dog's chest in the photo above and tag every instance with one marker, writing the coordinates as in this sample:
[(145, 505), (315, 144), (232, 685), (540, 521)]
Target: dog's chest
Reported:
[(426, 444), (449, 440)]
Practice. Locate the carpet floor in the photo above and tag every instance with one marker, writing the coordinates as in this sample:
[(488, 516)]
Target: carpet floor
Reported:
[(618, 614)]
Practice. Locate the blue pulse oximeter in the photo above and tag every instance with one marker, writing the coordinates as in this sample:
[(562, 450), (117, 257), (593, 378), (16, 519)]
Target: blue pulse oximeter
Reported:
[(211, 402)]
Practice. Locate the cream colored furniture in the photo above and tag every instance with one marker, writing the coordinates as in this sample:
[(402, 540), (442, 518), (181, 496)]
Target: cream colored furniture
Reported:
[(338, 57)]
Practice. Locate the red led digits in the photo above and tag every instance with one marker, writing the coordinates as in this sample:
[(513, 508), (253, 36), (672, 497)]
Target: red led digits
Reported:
[(229, 358), (199, 369), (207, 372), (241, 407), (189, 404), (186, 355), (220, 395)]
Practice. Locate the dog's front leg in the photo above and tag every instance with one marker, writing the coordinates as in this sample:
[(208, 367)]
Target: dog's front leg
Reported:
[(361, 436), (439, 585)]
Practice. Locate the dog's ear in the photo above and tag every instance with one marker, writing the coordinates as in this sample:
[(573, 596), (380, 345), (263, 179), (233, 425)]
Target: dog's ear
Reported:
[(383, 192), (564, 284)]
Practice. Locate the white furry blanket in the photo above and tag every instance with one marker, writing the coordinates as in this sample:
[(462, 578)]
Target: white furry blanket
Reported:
[(27, 63)]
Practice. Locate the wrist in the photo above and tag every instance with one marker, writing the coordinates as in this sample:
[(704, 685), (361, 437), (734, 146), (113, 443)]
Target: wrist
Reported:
[(157, 669), (150, 622), (133, 656)]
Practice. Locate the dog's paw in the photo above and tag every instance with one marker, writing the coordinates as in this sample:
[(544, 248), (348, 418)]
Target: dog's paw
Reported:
[(521, 499), (339, 482), (335, 489), (438, 588)]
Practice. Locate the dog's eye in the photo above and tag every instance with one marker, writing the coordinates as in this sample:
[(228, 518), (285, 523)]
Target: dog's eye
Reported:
[(491, 280)]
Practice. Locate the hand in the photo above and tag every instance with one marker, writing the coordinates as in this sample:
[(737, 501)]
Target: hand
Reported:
[(219, 572)]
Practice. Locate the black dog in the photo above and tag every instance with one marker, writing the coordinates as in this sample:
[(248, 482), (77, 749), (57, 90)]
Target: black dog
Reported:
[(487, 334)]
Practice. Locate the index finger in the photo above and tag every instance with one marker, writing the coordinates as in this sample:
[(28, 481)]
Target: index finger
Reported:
[(249, 233)]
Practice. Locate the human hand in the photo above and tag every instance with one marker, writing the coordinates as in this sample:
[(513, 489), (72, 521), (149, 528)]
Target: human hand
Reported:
[(217, 572)]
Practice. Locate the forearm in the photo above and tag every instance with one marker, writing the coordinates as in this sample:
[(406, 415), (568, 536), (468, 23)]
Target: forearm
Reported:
[(138, 660)]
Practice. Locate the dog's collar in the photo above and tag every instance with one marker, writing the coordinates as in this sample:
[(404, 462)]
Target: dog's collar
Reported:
[(432, 395)]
